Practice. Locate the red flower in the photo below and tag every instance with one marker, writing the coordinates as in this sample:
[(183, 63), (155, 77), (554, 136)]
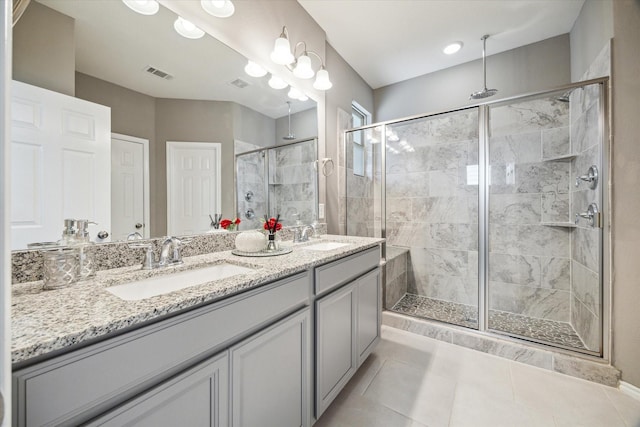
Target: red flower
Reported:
[(225, 223), (237, 221), (271, 224)]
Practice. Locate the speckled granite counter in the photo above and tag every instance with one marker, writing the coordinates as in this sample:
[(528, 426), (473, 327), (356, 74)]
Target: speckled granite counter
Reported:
[(47, 321)]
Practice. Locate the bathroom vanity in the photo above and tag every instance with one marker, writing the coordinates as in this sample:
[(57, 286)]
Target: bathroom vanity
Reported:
[(270, 347)]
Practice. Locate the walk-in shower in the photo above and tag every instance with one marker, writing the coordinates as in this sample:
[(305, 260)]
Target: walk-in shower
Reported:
[(486, 212), (277, 180)]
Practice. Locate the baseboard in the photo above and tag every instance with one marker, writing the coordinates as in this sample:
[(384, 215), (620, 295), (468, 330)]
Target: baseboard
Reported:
[(630, 390)]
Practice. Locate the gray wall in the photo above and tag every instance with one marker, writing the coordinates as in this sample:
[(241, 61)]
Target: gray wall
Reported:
[(194, 121), (348, 86), (541, 65), (303, 125), (252, 127), (591, 31), (626, 198), (42, 57)]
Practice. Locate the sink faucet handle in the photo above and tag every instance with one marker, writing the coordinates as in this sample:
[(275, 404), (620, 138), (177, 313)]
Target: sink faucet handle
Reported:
[(149, 262)]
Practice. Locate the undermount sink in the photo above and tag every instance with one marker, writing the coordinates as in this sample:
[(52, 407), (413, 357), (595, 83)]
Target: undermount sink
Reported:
[(163, 284), (325, 246)]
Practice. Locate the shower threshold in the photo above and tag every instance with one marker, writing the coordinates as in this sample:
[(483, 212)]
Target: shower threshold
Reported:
[(541, 330)]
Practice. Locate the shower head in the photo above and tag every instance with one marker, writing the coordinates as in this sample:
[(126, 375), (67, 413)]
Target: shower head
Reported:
[(484, 93), (290, 136), (564, 97)]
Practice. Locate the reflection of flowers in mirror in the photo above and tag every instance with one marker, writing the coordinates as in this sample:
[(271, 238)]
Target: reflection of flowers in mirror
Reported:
[(227, 224)]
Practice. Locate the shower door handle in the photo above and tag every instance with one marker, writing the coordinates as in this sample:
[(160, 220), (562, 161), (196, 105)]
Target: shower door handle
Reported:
[(592, 215)]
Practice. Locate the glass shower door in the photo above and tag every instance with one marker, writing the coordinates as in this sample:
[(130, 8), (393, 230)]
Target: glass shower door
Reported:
[(251, 189), (432, 214), (544, 269), (293, 183)]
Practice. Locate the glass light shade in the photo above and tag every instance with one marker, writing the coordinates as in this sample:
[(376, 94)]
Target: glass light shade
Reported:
[(277, 82), (452, 48), (303, 68), (322, 80), (282, 52), (187, 29), (254, 70), (218, 8), (144, 7), (303, 97), (294, 93)]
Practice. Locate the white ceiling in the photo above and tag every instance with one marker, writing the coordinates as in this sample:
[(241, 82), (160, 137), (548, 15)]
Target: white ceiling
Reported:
[(387, 41)]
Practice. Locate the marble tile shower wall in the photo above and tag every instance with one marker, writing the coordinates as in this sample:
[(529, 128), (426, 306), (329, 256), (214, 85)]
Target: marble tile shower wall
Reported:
[(251, 178), (586, 306), (432, 207), (529, 262), (292, 182)]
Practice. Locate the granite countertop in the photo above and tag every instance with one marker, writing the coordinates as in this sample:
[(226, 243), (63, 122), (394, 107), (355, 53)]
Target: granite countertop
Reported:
[(48, 321)]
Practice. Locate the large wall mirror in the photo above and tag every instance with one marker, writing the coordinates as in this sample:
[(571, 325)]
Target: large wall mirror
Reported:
[(161, 88)]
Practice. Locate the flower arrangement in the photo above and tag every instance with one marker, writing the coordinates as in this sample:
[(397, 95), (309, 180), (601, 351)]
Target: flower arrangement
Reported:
[(272, 225), (227, 224)]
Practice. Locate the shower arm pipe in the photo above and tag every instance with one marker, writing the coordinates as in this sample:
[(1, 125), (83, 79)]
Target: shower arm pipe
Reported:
[(484, 60), (566, 87)]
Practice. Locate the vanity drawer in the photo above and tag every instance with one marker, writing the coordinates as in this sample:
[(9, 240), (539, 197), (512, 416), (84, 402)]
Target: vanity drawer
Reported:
[(74, 387), (334, 274)]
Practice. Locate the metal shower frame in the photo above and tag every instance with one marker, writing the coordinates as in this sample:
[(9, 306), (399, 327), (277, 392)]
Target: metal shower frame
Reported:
[(483, 211)]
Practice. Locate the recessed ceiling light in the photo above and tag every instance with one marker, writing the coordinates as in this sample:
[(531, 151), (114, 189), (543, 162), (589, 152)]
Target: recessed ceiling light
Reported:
[(452, 48), (145, 7), (187, 29), (277, 82), (218, 8), (254, 70)]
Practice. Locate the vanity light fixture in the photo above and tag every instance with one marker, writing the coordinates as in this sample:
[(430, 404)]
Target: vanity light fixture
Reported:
[(187, 29), (300, 65), (277, 82), (218, 8), (144, 7), (254, 70), (452, 48), (294, 93)]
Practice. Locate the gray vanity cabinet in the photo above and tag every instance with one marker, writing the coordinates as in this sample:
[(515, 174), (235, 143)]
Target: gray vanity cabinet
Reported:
[(271, 376), (347, 321), (198, 397)]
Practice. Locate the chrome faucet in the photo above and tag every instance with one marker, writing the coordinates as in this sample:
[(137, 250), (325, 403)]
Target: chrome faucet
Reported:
[(170, 252), (301, 234)]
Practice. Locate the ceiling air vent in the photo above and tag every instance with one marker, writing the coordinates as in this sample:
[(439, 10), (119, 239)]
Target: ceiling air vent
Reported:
[(156, 72), (239, 83)]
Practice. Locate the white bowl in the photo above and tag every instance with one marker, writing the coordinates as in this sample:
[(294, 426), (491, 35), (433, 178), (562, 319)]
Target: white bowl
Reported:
[(251, 241)]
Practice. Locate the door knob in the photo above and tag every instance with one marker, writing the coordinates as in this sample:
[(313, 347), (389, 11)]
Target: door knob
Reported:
[(139, 225), (103, 234)]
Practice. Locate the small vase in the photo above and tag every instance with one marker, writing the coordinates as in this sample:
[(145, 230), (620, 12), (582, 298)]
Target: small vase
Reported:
[(271, 243)]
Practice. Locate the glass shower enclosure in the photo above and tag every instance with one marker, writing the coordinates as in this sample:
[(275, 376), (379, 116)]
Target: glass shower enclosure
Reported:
[(496, 213), (277, 180)]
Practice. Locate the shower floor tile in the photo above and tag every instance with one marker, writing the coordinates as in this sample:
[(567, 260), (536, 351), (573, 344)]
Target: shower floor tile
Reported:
[(559, 333)]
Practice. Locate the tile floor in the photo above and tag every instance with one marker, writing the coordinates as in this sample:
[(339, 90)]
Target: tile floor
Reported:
[(411, 380), (546, 331)]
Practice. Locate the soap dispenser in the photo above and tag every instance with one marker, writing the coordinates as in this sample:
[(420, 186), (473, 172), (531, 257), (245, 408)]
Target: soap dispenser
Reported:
[(86, 250), (68, 233)]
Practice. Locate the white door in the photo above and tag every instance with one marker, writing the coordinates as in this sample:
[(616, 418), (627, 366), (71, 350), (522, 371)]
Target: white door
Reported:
[(60, 164), (129, 186), (193, 186)]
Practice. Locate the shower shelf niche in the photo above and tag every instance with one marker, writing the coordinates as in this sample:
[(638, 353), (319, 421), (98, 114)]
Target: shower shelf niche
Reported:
[(559, 224), (563, 158)]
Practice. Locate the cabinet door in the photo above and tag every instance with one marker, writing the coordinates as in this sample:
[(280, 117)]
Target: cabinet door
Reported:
[(271, 375), (335, 344), (199, 397), (369, 314)]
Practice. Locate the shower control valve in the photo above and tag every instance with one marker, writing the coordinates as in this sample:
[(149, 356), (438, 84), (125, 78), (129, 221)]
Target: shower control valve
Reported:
[(591, 177), (592, 215)]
